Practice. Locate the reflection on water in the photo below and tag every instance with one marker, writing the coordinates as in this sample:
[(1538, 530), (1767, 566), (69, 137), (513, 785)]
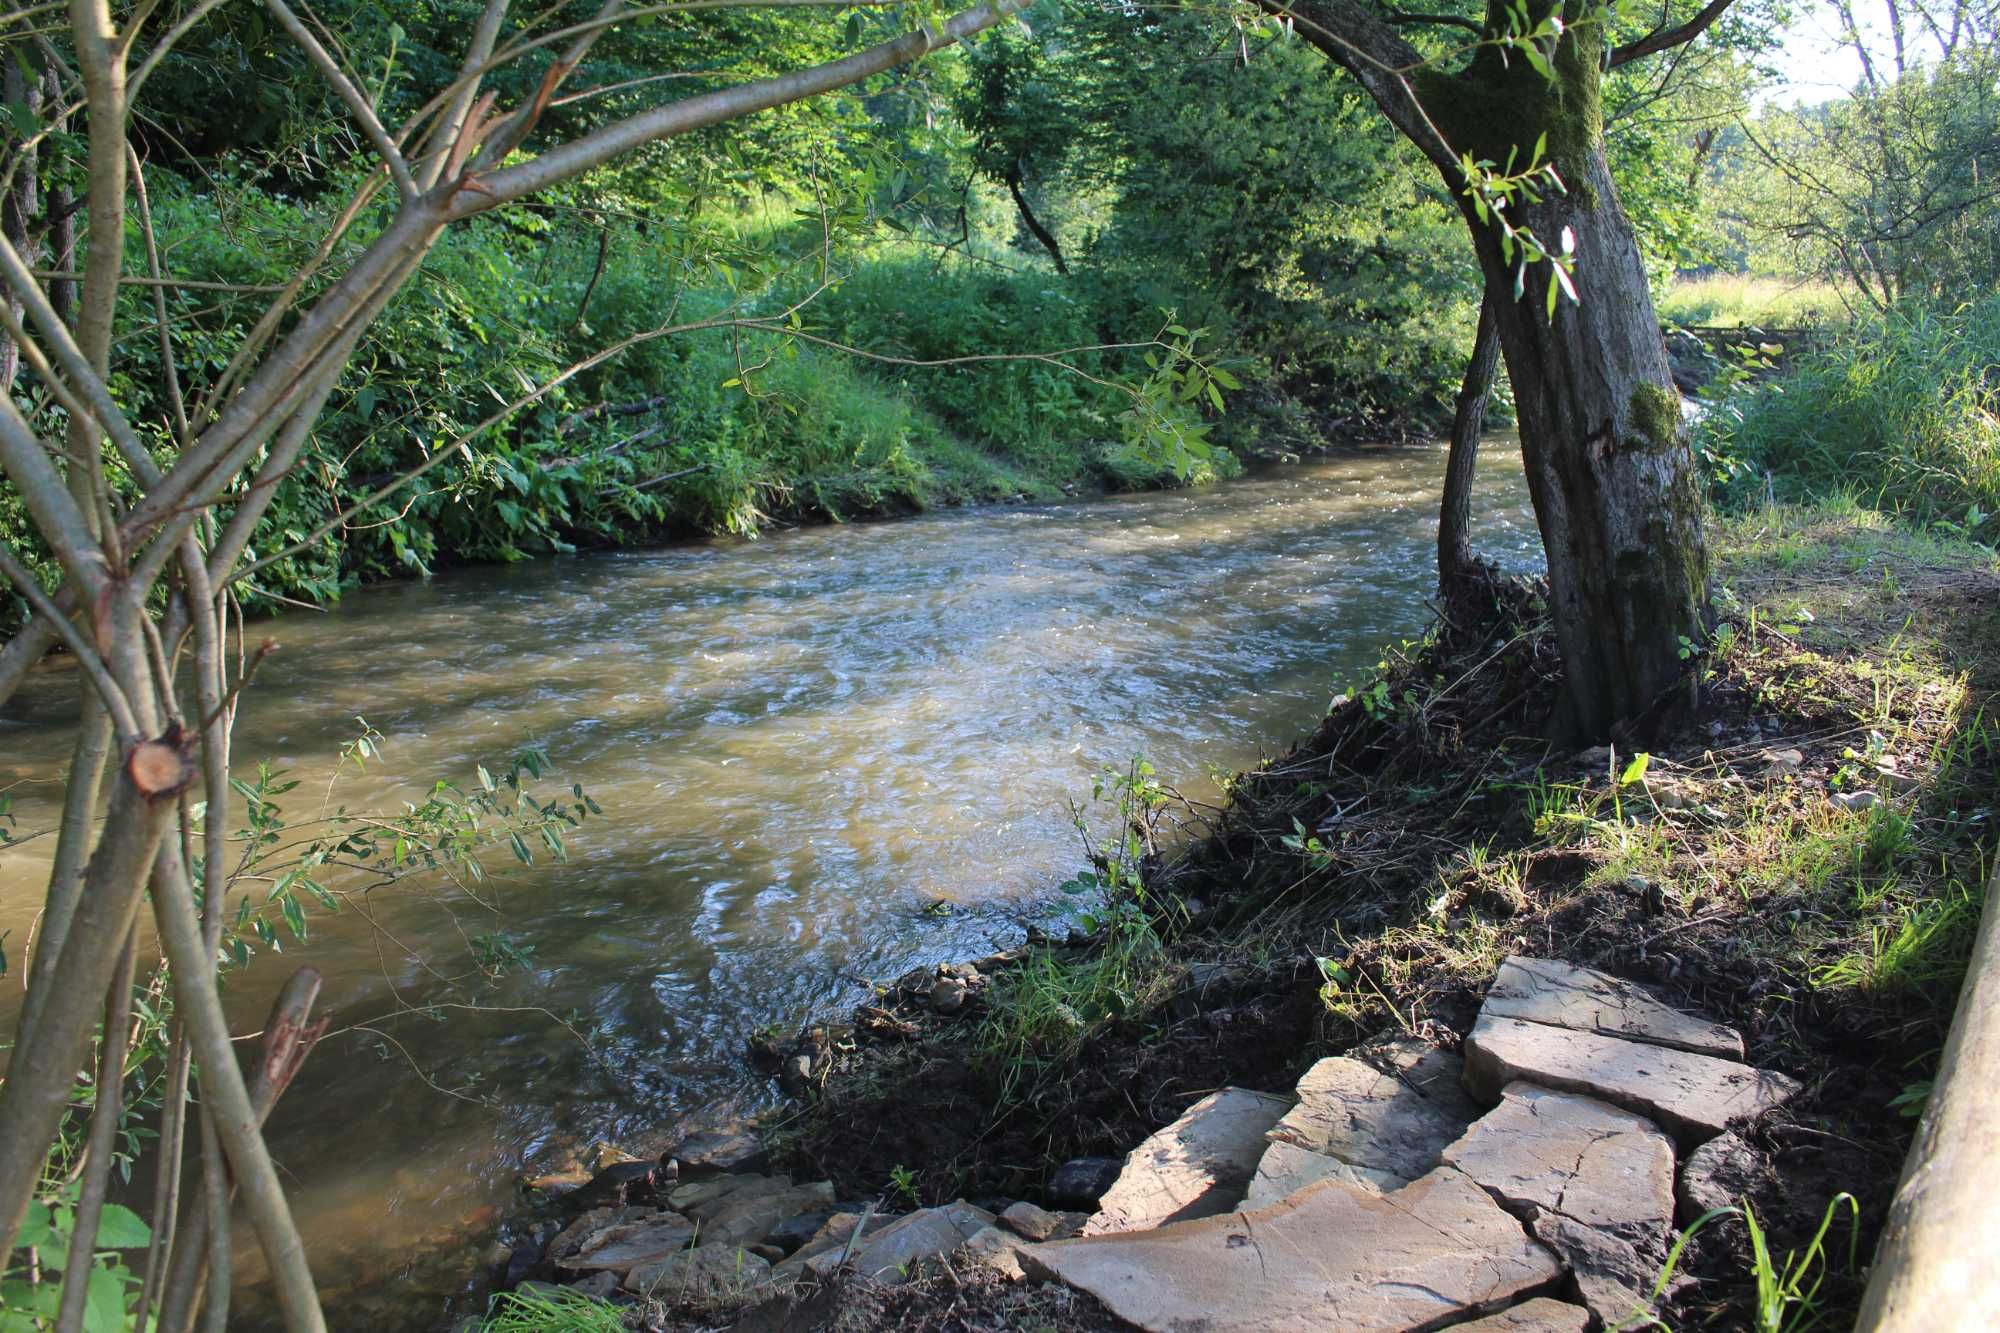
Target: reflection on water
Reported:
[(799, 743)]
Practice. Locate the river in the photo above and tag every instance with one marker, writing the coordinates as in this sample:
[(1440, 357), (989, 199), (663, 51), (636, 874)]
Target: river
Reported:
[(822, 756)]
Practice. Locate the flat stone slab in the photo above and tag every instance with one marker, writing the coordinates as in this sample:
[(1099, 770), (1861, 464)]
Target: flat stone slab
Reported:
[(894, 1254), (1390, 1108), (1541, 990), (819, 1254), (1692, 1097), (1028, 1222), (628, 1245), (713, 1152), (1330, 1256), (707, 1273), (1614, 1279), (1286, 1168), (1574, 1155), (1541, 1315), (1196, 1167), (744, 1218)]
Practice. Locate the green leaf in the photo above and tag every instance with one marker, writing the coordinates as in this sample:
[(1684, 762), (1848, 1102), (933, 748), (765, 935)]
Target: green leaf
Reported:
[(35, 1231), (119, 1228), (1554, 293), (1635, 770), (104, 1300)]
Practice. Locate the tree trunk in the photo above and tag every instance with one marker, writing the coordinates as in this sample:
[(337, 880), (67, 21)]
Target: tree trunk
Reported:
[(1610, 470), (1457, 566), (1042, 234), (1613, 478)]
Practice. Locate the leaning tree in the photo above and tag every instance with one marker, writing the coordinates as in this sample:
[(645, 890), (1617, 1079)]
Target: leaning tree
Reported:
[(1516, 130), (148, 523)]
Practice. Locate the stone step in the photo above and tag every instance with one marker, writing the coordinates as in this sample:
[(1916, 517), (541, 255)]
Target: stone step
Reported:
[(1376, 1118), (1333, 1255), (1606, 1168), (1541, 990), (1693, 1097), (1198, 1166)]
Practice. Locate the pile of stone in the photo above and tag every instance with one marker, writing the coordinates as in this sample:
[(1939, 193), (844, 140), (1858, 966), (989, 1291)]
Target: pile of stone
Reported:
[(1529, 1184), (709, 1226)]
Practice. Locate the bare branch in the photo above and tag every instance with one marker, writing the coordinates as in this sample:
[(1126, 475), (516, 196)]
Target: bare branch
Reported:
[(1663, 39)]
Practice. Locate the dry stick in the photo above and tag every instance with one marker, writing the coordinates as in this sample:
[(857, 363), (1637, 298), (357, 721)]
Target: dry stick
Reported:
[(104, 1118), (289, 1036)]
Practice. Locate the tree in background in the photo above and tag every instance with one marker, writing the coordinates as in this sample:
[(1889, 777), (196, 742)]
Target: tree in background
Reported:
[(1892, 193)]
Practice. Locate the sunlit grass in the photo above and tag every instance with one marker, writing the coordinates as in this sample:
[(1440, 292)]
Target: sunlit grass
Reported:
[(1735, 300)]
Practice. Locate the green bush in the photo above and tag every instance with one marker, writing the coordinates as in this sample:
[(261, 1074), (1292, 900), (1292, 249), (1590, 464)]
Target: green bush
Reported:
[(1897, 412)]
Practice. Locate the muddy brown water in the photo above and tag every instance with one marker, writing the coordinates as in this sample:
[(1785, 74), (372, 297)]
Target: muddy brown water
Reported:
[(823, 756)]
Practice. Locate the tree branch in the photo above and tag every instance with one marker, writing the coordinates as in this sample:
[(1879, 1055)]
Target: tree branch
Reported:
[(1663, 39)]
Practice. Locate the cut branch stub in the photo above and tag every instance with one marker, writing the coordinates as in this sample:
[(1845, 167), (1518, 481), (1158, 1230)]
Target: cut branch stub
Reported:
[(289, 1036), (161, 769)]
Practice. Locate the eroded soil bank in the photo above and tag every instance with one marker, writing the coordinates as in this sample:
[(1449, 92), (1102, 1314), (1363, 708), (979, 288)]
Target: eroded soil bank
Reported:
[(1799, 857)]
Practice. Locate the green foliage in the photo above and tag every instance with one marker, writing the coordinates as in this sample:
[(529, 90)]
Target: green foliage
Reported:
[(1041, 1012), (1897, 411), (27, 1306), (545, 1309)]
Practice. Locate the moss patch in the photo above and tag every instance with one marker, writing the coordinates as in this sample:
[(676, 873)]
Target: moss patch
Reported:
[(1493, 107), (1656, 416)]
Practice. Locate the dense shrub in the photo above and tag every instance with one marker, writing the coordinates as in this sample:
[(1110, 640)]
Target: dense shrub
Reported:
[(1896, 411)]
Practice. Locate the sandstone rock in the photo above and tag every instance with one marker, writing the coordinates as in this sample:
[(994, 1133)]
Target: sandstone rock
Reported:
[(558, 1183), (1718, 1174), (1606, 1168), (1286, 1168), (1196, 1167), (1541, 990), (588, 1224), (1612, 1278), (695, 1193), (792, 1233), (629, 1181), (716, 1152), (1856, 800), (712, 1272), (894, 1254), (599, 1286), (823, 1251), (747, 1216), (1081, 1181), (1541, 1315), (770, 1254), (795, 1075), (1331, 1255), (1027, 1221), (1395, 1118), (997, 1250), (621, 1248), (948, 995), (1692, 1097)]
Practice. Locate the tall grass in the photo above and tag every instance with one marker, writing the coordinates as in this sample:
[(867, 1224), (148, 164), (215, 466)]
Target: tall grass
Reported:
[(1740, 300), (1898, 412)]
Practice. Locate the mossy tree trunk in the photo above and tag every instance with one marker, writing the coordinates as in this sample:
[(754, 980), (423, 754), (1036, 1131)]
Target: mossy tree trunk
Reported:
[(1609, 467)]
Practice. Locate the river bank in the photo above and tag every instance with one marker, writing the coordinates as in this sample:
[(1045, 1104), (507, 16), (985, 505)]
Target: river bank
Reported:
[(1800, 860)]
